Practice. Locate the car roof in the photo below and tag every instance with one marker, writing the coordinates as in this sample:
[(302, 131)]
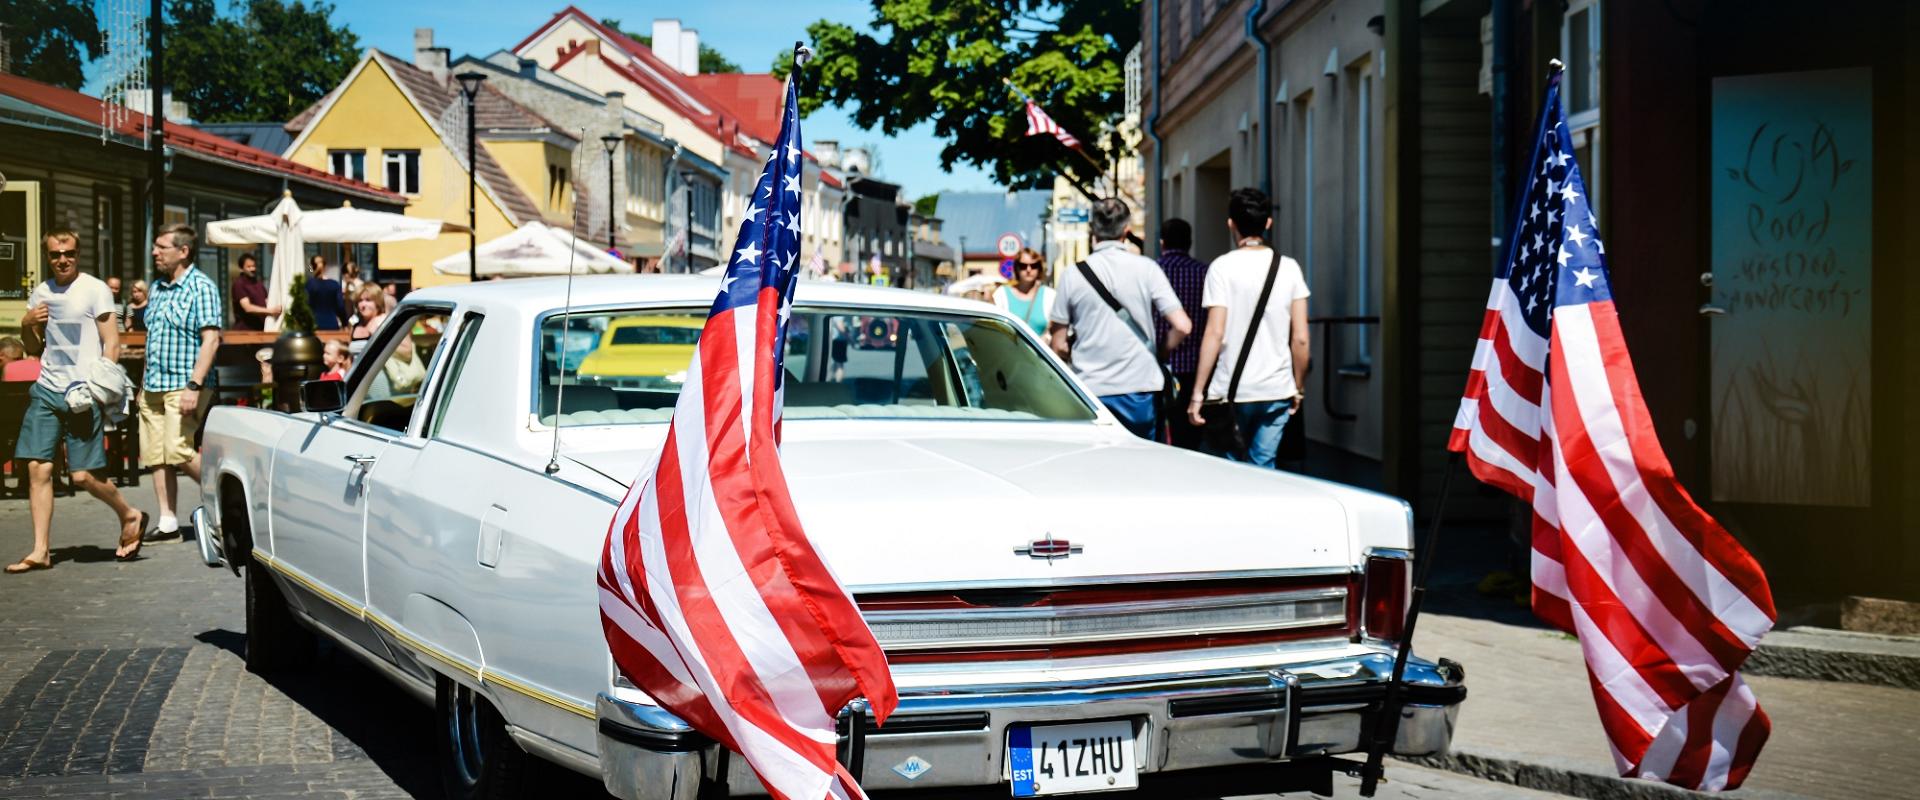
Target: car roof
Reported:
[(534, 296)]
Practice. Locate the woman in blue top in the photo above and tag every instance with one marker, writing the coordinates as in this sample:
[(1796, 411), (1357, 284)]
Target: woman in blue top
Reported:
[(324, 297), (1027, 297)]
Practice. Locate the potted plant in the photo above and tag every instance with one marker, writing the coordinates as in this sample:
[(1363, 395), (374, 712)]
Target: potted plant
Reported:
[(297, 353)]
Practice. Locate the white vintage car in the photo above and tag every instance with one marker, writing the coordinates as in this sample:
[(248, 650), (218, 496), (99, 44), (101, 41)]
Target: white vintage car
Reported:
[(1066, 608)]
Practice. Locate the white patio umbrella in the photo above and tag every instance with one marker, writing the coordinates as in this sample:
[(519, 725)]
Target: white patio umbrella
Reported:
[(287, 254), (289, 229), (534, 249)]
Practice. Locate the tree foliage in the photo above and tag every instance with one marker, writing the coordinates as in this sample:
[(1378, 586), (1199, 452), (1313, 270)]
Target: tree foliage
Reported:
[(299, 310), (949, 63), (267, 64), (47, 38), (711, 61)]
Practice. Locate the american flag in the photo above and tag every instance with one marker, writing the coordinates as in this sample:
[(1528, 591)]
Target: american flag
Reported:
[(1038, 123), (711, 597), (1667, 605)]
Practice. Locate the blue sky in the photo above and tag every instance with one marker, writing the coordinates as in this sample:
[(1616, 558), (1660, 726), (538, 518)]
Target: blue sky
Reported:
[(748, 33)]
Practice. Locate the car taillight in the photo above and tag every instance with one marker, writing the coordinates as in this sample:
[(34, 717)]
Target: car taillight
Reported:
[(1384, 605)]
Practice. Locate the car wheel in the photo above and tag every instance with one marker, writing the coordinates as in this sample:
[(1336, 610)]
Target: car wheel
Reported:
[(478, 759), (275, 640)]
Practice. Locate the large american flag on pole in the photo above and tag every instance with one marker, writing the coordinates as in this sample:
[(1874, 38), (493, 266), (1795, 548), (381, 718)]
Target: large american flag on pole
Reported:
[(1667, 605), (711, 597)]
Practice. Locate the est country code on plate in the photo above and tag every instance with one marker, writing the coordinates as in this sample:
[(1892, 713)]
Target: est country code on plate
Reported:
[(1065, 759)]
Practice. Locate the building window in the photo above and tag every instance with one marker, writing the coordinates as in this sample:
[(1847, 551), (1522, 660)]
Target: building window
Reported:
[(1360, 193), (403, 170), (1580, 43), (351, 164), (557, 187), (1304, 158)]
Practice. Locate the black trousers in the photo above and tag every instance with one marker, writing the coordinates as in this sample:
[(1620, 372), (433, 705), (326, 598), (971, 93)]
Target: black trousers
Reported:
[(1183, 432)]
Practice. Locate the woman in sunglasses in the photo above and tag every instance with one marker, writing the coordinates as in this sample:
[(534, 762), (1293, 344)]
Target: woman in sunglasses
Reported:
[(1027, 297)]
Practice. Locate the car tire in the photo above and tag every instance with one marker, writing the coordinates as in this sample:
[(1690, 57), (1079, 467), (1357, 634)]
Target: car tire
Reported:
[(478, 758), (275, 640)]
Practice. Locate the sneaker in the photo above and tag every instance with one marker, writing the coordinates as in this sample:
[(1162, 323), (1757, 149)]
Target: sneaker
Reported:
[(157, 535)]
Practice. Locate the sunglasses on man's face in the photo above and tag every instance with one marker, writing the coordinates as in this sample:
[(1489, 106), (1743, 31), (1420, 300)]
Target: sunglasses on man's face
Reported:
[(61, 255)]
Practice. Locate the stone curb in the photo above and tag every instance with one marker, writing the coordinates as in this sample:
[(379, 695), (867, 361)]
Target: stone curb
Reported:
[(1813, 654), (1535, 772)]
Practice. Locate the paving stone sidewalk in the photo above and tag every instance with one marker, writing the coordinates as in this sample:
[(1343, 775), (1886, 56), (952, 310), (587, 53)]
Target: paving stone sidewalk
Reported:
[(1530, 720)]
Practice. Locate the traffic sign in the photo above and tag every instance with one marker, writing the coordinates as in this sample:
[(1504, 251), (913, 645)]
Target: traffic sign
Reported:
[(1009, 244), (1073, 215)]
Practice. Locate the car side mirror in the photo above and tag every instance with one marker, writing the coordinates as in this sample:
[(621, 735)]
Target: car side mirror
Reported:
[(323, 395)]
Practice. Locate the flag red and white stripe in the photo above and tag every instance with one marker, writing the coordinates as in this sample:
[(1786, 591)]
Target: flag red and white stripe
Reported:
[(1039, 123), (712, 598), (1667, 605)]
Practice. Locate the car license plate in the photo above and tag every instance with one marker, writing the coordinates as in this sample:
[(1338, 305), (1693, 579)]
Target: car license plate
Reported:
[(1063, 759)]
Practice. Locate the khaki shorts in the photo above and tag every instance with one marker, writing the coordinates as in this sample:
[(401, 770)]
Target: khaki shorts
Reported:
[(165, 438)]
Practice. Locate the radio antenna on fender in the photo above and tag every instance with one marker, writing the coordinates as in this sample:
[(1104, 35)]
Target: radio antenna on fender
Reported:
[(566, 321)]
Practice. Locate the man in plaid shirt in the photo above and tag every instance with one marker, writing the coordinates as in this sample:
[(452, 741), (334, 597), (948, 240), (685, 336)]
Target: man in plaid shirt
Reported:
[(183, 332), (1188, 275)]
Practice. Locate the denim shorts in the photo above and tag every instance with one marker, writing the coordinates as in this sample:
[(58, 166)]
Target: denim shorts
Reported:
[(1135, 411), (48, 420)]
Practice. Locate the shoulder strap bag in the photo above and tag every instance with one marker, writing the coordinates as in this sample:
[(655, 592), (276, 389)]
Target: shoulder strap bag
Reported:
[(1168, 385), (1222, 432)]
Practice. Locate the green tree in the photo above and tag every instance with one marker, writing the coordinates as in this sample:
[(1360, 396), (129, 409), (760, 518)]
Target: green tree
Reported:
[(47, 38), (299, 310), (927, 205), (269, 63), (711, 61), (950, 63)]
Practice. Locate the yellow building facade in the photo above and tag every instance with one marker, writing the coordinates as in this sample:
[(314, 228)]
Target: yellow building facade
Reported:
[(401, 126)]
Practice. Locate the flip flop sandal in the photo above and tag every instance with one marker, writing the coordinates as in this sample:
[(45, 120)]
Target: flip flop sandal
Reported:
[(27, 565), (137, 542)]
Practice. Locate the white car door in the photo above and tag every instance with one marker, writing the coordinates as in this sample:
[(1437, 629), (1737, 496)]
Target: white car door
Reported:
[(321, 477)]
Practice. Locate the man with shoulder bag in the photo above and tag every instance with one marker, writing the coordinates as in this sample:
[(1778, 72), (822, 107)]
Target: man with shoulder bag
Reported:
[(1108, 301), (1256, 301)]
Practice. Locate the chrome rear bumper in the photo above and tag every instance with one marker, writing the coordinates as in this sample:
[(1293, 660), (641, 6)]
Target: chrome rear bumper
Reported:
[(1187, 721)]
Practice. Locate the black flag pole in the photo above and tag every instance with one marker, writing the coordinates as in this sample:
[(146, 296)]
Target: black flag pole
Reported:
[(1387, 724)]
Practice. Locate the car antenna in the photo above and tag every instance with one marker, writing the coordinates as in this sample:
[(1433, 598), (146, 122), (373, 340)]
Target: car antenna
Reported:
[(566, 319)]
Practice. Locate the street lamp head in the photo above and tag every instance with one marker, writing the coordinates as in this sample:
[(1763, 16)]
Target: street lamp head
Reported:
[(611, 141), (470, 83)]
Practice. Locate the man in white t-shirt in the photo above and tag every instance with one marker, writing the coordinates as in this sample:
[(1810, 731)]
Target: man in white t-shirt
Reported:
[(1269, 389), (71, 320)]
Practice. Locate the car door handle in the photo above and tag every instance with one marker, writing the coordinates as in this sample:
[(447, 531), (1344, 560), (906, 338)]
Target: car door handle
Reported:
[(362, 460), (1711, 310)]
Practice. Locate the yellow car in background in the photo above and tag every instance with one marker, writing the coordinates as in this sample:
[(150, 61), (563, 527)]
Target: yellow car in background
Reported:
[(643, 346)]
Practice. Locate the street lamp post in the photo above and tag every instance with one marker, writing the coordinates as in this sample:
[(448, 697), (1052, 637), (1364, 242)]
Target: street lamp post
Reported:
[(470, 88), (612, 143)]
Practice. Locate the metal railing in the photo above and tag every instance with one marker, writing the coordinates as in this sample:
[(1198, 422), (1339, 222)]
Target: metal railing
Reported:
[(1358, 370)]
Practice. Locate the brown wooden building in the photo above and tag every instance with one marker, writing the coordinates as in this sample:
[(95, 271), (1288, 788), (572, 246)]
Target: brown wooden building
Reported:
[(1752, 166), (62, 172)]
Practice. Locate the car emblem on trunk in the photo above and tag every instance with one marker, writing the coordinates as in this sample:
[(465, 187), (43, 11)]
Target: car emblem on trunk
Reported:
[(1048, 549)]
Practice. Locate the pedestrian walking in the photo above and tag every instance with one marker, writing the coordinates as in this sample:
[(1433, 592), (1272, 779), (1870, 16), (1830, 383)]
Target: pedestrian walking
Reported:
[(71, 321), (1028, 297), (1254, 352), (1105, 301), (250, 306), (183, 333), (324, 297), (1187, 275)]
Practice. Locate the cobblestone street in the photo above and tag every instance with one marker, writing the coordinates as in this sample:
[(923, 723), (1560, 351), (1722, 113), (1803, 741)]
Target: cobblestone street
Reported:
[(126, 680)]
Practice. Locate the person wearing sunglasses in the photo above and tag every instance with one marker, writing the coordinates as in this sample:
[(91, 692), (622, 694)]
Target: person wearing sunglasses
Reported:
[(1029, 298), (71, 323)]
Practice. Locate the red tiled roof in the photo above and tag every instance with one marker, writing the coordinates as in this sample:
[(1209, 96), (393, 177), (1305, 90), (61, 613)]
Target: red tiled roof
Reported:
[(753, 97), (659, 79), (492, 110), (187, 139)]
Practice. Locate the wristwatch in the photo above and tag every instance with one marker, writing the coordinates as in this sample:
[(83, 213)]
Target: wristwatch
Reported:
[(193, 386)]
